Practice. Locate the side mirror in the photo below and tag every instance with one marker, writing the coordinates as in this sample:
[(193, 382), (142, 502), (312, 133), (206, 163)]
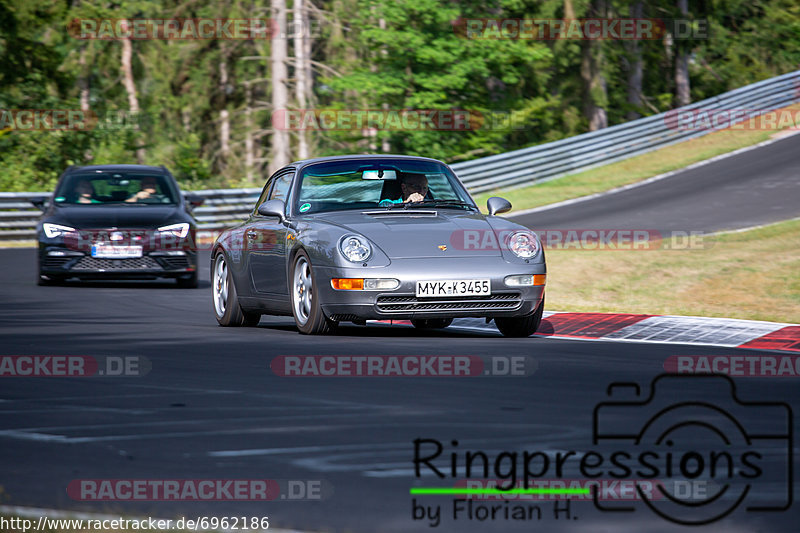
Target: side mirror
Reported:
[(272, 208), (496, 205), (38, 202), (194, 200)]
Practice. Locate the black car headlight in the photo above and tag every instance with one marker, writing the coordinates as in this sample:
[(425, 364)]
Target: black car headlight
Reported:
[(355, 248), (55, 230), (178, 230)]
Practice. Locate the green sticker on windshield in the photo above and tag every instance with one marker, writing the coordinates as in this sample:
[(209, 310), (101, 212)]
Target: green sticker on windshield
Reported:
[(305, 207), (60, 198)]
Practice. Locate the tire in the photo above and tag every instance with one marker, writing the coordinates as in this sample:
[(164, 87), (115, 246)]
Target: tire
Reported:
[(187, 282), (431, 323), (306, 307), (223, 296), (523, 326), (44, 281)]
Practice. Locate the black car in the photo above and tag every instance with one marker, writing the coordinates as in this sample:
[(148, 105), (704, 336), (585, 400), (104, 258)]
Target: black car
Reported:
[(117, 222)]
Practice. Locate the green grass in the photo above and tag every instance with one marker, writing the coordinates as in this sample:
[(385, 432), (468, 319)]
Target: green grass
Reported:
[(631, 170), (749, 275)]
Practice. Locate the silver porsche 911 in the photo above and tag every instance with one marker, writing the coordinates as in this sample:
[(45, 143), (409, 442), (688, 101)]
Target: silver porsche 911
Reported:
[(357, 238)]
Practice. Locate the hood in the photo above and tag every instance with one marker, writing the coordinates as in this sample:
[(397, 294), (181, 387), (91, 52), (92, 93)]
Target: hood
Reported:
[(419, 232), (116, 216)]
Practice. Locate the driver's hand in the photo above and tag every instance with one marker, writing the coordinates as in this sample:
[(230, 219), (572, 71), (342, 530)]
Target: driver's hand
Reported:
[(414, 197)]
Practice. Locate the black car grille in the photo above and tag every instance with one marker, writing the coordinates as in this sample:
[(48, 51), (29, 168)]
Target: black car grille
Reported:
[(54, 262), (174, 263), (410, 303), (344, 318), (138, 263)]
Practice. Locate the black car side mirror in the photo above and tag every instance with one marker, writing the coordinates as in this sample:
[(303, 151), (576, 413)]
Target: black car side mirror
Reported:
[(272, 208), (38, 202), (496, 205), (194, 200)]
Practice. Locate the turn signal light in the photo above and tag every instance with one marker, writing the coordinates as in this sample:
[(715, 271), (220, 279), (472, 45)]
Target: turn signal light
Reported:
[(347, 284)]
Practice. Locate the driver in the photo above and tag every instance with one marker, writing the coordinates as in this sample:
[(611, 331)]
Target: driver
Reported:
[(148, 191), (413, 188), (85, 193)]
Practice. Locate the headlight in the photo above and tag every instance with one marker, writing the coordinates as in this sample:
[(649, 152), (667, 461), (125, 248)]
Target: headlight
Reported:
[(55, 230), (178, 230), (355, 248), (523, 244)]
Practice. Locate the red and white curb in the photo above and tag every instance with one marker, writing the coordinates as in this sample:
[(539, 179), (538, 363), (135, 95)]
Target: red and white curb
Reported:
[(662, 329)]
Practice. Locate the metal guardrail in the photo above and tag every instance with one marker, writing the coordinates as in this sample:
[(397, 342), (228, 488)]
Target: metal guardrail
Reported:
[(225, 207), (582, 152)]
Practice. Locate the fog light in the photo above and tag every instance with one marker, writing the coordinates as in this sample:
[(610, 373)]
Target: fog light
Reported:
[(381, 284), (525, 280), (175, 252), (347, 284)]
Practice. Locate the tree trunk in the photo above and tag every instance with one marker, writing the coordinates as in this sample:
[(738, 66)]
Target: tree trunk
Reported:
[(595, 94), (682, 85), (249, 148), (569, 11), (224, 116), (280, 94), (635, 67), (300, 70), (130, 88), (83, 80)]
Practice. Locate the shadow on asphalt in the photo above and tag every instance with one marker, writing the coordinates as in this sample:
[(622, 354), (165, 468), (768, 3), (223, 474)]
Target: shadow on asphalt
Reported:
[(126, 284), (369, 331)]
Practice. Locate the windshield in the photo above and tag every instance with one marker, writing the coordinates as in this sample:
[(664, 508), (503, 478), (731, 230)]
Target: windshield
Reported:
[(371, 183), (99, 188)]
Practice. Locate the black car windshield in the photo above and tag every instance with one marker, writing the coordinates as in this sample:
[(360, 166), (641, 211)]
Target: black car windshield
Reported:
[(102, 187), (382, 183)]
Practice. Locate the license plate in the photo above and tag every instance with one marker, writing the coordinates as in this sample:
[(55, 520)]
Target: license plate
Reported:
[(453, 287), (116, 252)]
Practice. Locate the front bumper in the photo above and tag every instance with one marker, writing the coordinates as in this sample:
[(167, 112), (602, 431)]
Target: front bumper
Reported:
[(402, 302), (62, 262)]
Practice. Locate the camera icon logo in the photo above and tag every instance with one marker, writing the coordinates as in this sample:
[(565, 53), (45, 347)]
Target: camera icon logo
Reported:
[(694, 429)]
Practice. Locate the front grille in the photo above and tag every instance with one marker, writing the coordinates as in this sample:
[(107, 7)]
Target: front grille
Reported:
[(174, 262), (54, 262), (410, 303), (138, 263), (344, 318)]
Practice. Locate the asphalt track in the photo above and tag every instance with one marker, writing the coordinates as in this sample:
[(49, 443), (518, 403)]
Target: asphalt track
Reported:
[(211, 408), (752, 188)]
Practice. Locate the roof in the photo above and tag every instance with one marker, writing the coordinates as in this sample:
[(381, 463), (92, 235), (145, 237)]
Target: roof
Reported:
[(129, 168), (304, 162)]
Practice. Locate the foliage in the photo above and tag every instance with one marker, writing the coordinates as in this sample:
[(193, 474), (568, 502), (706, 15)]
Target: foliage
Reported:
[(367, 54)]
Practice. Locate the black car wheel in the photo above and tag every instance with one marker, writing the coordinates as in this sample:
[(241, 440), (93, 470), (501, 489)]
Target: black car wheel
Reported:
[(523, 326), (306, 306), (226, 304), (431, 323)]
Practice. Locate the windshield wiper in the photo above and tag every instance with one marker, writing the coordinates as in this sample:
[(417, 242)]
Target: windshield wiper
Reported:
[(443, 203)]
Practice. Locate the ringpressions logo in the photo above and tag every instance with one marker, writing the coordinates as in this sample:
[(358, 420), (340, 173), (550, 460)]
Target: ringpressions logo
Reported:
[(690, 430)]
